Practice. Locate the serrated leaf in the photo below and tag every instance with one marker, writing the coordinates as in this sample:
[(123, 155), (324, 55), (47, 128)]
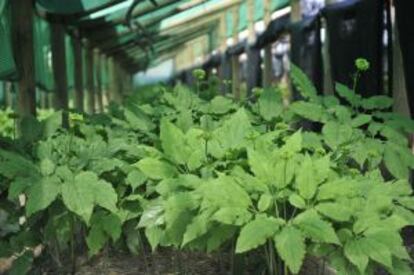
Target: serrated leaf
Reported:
[(361, 120), (306, 182), (265, 202), (197, 228), (47, 167), (105, 195), (154, 236), (303, 83), (284, 171), (353, 250), (156, 169), (85, 191), (395, 163), (297, 201), (290, 245), (347, 94), (335, 211), (173, 142), (257, 232), (220, 105), (96, 240), (218, 235), (309, 111), (42, 194), (377, 102), (135, 179), (270, 105), (336, 134), (317, 229), (232, 216), (231, 135)]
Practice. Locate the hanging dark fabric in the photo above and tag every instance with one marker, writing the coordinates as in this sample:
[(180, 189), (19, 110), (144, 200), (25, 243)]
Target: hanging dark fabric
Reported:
[(355, 30), (405, 23), (253, 70), (273, 31), (212, 63), (306, 51), (225, 72)]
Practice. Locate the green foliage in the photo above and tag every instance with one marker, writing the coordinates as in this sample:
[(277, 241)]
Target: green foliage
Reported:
[(211, 174)]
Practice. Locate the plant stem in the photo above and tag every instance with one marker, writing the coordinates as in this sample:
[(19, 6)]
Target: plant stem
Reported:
[(144, 252), (72, 245)]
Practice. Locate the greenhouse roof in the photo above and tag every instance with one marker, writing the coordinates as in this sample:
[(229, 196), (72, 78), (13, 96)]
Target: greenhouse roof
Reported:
[(139, 32)]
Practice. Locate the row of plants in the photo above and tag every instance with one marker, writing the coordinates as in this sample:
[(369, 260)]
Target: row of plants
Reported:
[(325, 176)]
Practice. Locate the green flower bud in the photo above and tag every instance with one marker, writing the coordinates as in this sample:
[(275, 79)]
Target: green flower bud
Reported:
[(362, 64), (199, 74)]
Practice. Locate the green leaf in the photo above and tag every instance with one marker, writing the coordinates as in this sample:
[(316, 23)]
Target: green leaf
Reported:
[(348, 94), (42, 194), (270, 105), (355, 253), (173, 142), (297, 201), (156, 169), (257, 232), (335, 211), (231, 135), (317, 229), (336, 134), (265, 202), (290, 245), (218, 235), (85, 191), (154, 236), (152, 215), (305, 179), (220, 105), (103, 227), (22, 264), (303, 83), (293, 143), (284, 171), (367, 247), (135, 179), (395, 163), (232, 215), (197, 228), (105, 195), (47, 167), (185, 120), (361, 120), (377, 102), (309, 111), (96, 240)]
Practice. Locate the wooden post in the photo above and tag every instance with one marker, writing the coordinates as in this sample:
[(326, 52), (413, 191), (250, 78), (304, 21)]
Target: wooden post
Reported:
[(105, 68), (116, 94), (98, 74), (78, 74), (8, 95), (235, 58), (328, 85), (296, 11), (59, 70), (43, 100), (111, 79), (401, 104), (90, 82), (22, 26), (267, 71)]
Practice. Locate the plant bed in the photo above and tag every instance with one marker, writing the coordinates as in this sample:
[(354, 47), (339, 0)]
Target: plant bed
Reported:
[(179, 170)]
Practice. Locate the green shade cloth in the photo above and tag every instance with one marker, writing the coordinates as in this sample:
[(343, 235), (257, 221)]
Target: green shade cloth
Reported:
[(8, 69)]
